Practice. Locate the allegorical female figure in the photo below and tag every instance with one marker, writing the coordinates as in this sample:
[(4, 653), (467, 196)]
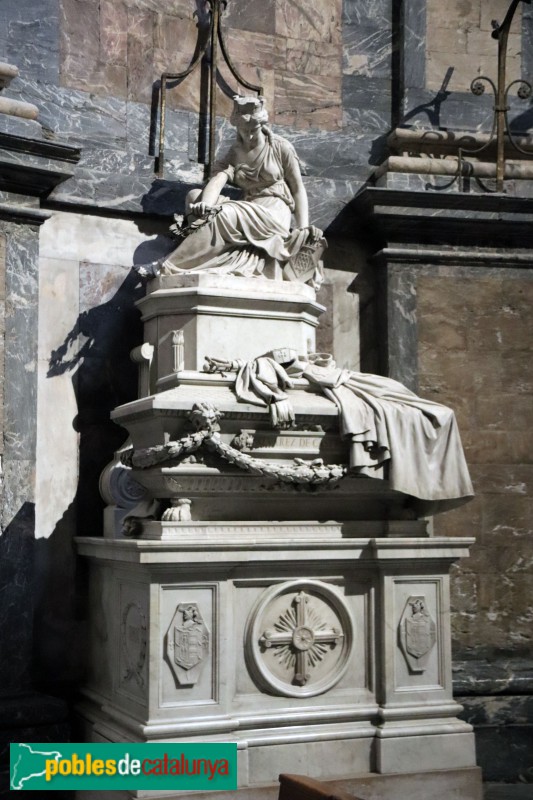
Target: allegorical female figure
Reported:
[(251, 236)]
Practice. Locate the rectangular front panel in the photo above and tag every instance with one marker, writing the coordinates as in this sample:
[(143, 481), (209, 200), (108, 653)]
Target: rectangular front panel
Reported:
[(131, 679), (303, 642), (414, 634), (188, 644), (418, 654)]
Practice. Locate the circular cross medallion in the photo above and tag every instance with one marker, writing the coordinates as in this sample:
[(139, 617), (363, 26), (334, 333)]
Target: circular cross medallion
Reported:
[(299, 638)]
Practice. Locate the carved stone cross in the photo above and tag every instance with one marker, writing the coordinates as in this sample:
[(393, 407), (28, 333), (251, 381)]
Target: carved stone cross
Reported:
[(302, 638)]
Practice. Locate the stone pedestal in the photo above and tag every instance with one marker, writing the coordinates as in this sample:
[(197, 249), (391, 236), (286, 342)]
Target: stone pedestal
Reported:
[(308, 622), (223, 316), (356, 696)]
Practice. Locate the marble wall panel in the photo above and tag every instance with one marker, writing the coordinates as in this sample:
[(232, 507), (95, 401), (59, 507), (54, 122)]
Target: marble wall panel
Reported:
[(320, 21), (141, 67), (367, 38), (414, 43), (454, 110), (20, 346), (328, 200), (57, 438), (335, 155), (75, 116), (113, 32), (308, 101), (84, 363), (29, 37), (252, 15), (527, 42), (312, 58), (367, 104), (2, 333), (339, 325)]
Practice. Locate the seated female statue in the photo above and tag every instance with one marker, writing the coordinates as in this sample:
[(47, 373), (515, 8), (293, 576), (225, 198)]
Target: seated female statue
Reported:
[(252, 236)]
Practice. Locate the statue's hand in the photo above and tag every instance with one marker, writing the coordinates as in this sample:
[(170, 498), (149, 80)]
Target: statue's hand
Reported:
[(201, 209), (213, 365), (314, 235)]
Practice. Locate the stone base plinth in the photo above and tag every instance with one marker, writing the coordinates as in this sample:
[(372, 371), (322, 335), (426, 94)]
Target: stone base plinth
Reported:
[(328, 655)]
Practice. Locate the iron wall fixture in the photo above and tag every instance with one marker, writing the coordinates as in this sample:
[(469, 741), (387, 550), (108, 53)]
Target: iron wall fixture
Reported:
[(208, 52)]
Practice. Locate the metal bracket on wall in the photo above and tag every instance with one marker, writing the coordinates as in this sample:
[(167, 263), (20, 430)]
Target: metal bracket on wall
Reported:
[(208, 53), (500, 122)]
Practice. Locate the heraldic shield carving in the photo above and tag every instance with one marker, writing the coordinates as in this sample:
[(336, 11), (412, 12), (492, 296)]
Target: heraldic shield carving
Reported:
[(417, 633), (187, 643)]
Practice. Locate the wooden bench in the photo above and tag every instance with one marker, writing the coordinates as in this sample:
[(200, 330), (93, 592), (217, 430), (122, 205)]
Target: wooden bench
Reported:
[(300, 787)]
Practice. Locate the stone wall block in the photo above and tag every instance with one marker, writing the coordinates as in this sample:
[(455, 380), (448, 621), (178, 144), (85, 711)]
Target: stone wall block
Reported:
[(321, 22), (453, 14), (500, 447), (308, 101), (30, 38), (313, 58), (141, 71), (113, 32), (516, 479), (80, 42), (516, 372), (368, 49), (464, 593), (331, 154), (508, 517), (77, 116), (176, 8), (21, 268), (174, 42), (20, 370), (503, 411), (367, 38), (257, 16), (366, 104), (448, 39), (253, 48), (496, 9), (449, 333)]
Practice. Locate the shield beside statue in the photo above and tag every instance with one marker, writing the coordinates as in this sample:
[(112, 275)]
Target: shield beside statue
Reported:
[(306, 265)]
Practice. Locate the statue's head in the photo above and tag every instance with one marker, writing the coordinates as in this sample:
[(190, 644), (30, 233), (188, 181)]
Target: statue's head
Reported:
[(248, 111)]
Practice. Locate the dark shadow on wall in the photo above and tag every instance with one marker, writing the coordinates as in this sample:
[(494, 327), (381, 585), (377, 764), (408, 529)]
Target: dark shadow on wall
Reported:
[(27, 712), (97, 353)]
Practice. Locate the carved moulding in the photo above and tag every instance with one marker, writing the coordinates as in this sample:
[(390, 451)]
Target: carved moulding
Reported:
[(417, 633), (133, 642), (299, 639), (187, 644)]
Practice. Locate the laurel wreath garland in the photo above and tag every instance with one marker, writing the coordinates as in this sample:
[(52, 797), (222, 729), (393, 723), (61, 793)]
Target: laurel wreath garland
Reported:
[(205, 417)]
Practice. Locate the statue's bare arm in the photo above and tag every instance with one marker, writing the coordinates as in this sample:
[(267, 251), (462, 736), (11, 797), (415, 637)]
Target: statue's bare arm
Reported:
[(295, 183), (210, 194)]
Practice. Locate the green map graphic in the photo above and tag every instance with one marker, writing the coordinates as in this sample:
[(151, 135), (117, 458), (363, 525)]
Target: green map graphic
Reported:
[(29, 763)]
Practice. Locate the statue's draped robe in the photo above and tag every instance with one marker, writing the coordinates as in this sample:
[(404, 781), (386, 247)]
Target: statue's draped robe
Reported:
[(386, 424), (247, 234)]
